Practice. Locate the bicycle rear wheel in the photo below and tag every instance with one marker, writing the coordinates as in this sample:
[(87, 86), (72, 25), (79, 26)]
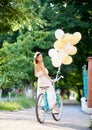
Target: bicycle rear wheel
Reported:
[(58, 116), (40, 113)]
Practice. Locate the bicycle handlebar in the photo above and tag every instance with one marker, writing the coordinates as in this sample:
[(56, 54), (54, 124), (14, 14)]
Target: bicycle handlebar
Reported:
[(57, 79)]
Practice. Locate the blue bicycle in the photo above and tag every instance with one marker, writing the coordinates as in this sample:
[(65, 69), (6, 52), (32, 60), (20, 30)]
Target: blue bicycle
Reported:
[(42, 106)]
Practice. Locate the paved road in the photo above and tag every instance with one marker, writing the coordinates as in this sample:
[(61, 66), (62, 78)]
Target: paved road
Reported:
[(73, 119)]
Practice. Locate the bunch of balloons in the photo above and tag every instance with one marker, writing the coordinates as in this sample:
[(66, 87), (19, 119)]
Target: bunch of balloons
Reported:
[(64, 47)]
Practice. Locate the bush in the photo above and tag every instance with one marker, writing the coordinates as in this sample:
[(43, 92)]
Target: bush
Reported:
[(25, 102), (18, 104), (5, 105)]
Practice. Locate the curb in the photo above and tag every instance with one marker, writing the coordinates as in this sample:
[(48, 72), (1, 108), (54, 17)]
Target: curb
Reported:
[(71, 102)]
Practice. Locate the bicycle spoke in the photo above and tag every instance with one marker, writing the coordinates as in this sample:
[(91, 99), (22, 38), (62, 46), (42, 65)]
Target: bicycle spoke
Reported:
[(60, 110), (40, 113)]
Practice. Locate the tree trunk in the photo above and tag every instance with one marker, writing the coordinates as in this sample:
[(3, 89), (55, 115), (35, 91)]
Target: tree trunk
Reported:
[(79, 93), (31, 87)]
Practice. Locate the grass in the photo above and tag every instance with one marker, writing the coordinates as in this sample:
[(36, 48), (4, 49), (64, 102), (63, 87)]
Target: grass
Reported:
[(90, 124), (11, 106), (18, 104)]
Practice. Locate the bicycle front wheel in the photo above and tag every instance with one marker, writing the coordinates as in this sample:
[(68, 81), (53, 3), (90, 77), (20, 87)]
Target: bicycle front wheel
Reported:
[(57, 116), (40, 113)]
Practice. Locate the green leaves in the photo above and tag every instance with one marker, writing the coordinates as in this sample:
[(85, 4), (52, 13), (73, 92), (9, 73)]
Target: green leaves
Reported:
[(15, 64), (36, 22), (12, 13)]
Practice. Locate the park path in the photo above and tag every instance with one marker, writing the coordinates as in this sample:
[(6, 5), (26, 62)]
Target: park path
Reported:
[(73, 119)]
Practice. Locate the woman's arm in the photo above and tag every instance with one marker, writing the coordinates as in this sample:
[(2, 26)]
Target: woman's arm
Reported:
[(45, 73), (40, 70), (37, 71)]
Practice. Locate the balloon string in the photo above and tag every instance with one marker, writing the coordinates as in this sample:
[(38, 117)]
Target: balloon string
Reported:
[(58, 72)]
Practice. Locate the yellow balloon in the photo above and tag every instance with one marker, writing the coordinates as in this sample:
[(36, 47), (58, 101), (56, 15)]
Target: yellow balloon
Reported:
[(70, 49), (58, 45), (68, 60), (66, 38), (76, 37), (73, 51)]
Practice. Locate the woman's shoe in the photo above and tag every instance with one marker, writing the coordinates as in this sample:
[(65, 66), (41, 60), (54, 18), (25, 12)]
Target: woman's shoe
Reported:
[(54, 111)]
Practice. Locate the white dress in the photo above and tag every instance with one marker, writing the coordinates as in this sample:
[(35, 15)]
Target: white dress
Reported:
[(43, 82)]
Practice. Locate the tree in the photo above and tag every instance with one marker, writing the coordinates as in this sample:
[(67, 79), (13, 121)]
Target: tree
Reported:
[(43, 18), (71, 16), (15, 62)]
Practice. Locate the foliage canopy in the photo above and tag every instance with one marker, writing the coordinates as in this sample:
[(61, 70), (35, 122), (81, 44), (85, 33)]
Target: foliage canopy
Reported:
[(29, 25)]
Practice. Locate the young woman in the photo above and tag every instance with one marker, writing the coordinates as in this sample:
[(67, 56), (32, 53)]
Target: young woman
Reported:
[(44, 80)]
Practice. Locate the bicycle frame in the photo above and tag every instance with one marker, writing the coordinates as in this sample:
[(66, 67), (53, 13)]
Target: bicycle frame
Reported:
[(57, 100), (42, 105), (46, 106)]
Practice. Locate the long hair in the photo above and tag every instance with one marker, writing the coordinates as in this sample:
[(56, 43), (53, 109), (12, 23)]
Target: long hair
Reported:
[(35, 57)]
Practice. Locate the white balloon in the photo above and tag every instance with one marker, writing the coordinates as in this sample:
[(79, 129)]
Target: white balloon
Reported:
[(59, 33), (62, 54), (52, 52), (56, 62)]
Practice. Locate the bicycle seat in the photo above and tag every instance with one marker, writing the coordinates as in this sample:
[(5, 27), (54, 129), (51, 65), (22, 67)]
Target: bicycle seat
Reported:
[(44, 87)]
